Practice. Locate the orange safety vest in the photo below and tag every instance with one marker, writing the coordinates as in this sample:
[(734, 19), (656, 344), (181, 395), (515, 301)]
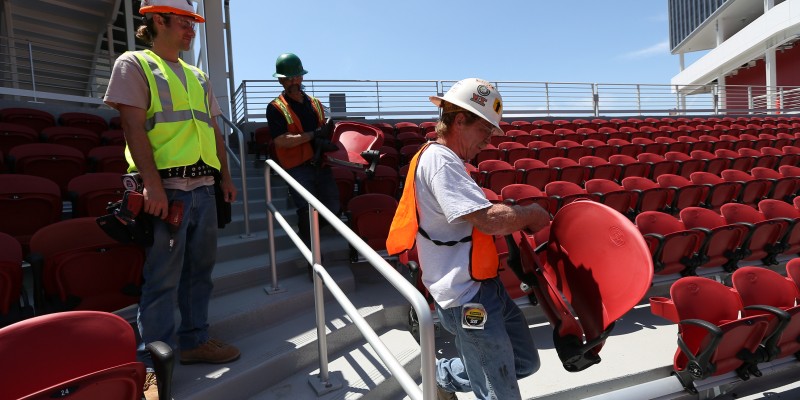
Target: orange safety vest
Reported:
[(290, 157), (405, 225)]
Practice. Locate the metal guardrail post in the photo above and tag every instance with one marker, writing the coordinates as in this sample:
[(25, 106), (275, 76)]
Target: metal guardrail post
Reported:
[(33, 74), (750, 99), (715, 98), (243, 172), (639, 99), (780, 104), (595, 100), (378, 96), (547, 97)]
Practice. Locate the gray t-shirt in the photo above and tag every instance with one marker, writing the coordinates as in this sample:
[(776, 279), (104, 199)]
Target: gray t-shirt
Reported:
[(445, 193), (128, 86)]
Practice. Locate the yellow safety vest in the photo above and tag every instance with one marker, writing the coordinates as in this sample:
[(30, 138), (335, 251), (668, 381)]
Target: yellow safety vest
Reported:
[(178, 121), (290, 157), (483, 263)]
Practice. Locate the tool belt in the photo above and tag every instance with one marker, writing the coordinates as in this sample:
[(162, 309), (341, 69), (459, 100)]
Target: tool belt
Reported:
[(195, 170)]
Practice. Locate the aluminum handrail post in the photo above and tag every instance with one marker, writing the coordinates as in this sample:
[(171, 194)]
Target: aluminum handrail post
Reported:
[(243, 174), (271, 229), (319, 299), (750, 99)]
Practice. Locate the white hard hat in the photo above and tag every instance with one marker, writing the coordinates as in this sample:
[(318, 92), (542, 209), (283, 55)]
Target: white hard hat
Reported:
[(477, 96), (179, 7)]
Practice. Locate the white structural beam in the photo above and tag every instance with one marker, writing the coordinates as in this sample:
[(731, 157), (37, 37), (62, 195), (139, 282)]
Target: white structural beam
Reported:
[(215, 49), (781, 24)]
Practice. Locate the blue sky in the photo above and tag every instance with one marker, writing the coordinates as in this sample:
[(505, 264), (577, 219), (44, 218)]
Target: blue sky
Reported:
[(611, 41)]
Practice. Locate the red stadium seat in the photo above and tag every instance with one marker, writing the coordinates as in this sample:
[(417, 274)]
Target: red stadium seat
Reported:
[(81, 355), (658, 164), (91, 193), (630, 166), (108, 159), (793, 272), (14, 303), (568, 170), (686, 164), (719, 191), (27, 203), (346, 182), (764, 235), (567, 192), (673, 246), (723, 240), (777, 209), (56, 162), (384, 180), (77, 138), (513, 151), (495, 174), (687, 194), (649, 195), (534, 172), (353, 139), (612, 194), (753, 189), (599, 168), (14, 135), (77, 266), (712, 339), (522, 194), (117, 137), (32, 118), (759, 287), (586, 283), (92, 122), (370, 217)]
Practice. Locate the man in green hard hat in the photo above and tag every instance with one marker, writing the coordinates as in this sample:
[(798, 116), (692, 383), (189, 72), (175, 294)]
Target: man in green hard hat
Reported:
[(295, 120)]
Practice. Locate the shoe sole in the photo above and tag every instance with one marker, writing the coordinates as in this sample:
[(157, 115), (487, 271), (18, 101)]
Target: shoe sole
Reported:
[(203, 361)]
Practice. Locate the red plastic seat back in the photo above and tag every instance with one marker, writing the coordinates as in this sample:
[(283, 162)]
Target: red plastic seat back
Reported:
[(56, 162), (85, 269), (705, 299), (30, 117), (14, 135), (10, 272), (658, 222), (51, 350), (371, 217), (600, 263), (27, 203), (92, 122), (108, 159), (91, 193)]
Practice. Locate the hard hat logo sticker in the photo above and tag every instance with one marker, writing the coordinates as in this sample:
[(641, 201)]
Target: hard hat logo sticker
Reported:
[(480, 100), (483, 90)]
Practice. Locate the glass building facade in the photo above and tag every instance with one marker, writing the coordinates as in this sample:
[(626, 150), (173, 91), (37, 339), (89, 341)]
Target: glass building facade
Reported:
[(687, 15)]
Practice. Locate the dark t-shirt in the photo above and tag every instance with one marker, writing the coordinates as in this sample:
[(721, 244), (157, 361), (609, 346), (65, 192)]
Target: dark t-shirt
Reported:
[(304, 111)]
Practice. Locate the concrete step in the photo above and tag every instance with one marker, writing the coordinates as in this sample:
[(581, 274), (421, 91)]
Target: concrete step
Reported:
[(277, 335)]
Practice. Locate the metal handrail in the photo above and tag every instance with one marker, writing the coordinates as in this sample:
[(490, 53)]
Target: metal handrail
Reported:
[(316, 208), (239, 162), (396, 99)]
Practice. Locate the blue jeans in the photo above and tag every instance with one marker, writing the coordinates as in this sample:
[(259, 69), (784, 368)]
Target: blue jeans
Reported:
[(491, 359), (179, 276), (320, 183)]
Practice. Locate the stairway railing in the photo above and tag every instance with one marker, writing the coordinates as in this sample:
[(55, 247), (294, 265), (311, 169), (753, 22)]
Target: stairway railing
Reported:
[(323, 383)]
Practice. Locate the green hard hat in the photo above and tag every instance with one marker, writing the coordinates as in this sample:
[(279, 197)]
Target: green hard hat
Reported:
[(288, 65)]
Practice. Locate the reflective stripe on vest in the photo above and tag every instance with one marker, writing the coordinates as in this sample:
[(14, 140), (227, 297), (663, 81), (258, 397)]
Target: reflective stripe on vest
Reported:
[(290, 157), (178, 120), (405, 225)]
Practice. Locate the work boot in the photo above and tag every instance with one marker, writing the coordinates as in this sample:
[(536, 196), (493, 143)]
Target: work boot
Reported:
[(211, 352), (442, 394), (150, 386)]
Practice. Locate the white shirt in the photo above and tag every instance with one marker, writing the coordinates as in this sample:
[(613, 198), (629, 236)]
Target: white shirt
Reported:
[(445, 193)]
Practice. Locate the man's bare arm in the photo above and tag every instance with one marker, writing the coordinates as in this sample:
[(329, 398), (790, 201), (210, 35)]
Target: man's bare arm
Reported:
[(502, 219)]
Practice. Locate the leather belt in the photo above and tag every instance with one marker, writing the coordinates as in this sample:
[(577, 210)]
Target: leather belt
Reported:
[(188, 171)]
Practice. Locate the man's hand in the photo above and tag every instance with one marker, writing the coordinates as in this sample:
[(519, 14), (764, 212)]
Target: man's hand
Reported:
[(325, 131), (228, 189), (155, 201)]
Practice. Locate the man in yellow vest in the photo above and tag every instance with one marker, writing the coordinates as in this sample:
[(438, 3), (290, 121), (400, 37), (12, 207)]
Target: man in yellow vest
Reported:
[(168, 113), (447, 215), (295, 120)]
